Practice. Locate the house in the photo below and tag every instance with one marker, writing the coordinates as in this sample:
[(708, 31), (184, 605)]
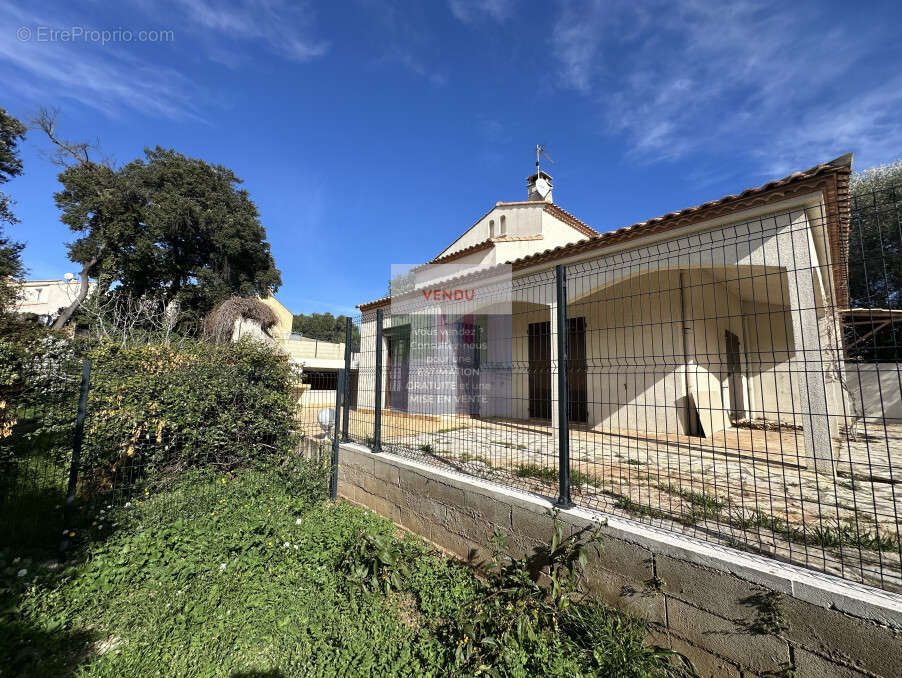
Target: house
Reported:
[(694, 323), (45, 298)]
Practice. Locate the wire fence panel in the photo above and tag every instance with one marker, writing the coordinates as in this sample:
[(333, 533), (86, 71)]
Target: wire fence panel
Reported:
[(740, 384), (38, 408)]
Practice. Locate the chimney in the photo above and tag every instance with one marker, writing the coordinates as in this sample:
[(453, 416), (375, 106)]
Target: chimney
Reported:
[(538, 187)]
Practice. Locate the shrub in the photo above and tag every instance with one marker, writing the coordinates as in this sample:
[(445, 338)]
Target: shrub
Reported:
[(155, 408), (39, 379)]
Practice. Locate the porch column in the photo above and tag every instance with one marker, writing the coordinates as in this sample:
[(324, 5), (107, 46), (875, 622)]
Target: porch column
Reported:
[(810, 366)]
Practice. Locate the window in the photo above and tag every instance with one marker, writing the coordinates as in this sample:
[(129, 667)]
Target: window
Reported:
[(492, 228), (503, 225)]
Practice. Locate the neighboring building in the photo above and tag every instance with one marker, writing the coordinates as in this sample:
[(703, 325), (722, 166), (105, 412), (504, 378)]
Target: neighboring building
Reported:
[(689, 323), (45, 298), (320, 360)]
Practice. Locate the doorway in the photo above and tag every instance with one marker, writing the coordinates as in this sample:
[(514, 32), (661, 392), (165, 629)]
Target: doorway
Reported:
[(734, 377), (539, 353)]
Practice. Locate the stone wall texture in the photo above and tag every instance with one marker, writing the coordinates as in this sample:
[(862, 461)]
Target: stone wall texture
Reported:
[(703, 600)]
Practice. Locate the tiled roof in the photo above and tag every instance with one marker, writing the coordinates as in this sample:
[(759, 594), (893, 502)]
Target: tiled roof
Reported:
[(570, 220), (830, 177)]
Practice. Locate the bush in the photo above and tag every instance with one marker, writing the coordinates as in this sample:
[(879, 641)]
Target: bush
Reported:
[(39, 379), (158, 409)]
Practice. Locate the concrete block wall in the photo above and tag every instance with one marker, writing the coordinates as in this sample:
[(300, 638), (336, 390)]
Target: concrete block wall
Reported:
[(702, 598)]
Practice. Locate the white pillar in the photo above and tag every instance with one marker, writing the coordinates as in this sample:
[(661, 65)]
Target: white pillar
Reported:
[(811, 364)]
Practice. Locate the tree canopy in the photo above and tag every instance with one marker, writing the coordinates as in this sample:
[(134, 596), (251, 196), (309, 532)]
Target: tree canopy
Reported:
[(875, 242), (326, 327), (875, 261), (12, 131), (167, 225)]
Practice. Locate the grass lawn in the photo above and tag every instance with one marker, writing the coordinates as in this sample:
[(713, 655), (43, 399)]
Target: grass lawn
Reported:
[(246, 575)]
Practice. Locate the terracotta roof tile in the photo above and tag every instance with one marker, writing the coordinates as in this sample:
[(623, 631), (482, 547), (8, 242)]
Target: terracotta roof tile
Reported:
[(570, 220), (830, 177)]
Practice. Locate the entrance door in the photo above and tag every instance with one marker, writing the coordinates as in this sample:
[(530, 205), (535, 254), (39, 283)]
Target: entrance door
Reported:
[(578, 405), (539, 336), (398, 368), (734, 377)]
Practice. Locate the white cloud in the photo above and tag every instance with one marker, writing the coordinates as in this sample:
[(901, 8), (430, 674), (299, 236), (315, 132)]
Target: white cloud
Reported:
[(117, 76), (108, 78), (471, 11), (769, 81), (284, 27)]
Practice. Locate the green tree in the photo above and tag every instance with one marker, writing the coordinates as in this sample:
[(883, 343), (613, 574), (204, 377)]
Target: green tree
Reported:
[(12, 131), (325, 327), (875, 261), (875, 242), (168, 226)]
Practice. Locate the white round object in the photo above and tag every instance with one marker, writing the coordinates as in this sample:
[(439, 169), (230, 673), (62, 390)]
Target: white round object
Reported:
[(326, 418)]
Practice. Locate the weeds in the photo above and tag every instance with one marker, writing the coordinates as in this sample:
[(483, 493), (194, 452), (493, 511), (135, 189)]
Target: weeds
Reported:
[(374, 562), (550, 475), (532, 604), (452, 428), (511, 446), (769, 618)]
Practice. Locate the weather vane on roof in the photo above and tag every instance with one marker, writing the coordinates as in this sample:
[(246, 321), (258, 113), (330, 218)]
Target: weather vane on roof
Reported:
[(540, 152)]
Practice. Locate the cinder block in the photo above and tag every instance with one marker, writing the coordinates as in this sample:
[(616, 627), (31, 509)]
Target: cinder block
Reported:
[(627, 594), (446, 493), (810, 665), (726, 639), (374, 485), (847, 639), (387, 509), (472, 527), (359, 460), (717, 592), (386, 472), (533, 525), (416, 523), (450, 541), (412, 480), (707, 665), (426, 506), (348, 491), (623, 557), (489, 508)]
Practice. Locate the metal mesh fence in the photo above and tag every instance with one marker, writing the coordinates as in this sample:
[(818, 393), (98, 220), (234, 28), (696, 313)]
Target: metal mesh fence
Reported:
[(80, 437), (739, 384), (38, 408)]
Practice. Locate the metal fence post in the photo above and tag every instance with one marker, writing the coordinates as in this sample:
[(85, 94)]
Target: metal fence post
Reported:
[(345, 419), (563, 391), (77, 440), (333, 476), (377, 403)]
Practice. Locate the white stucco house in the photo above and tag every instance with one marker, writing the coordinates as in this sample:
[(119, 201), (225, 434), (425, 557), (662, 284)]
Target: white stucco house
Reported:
[(687, 324), (45, 298)]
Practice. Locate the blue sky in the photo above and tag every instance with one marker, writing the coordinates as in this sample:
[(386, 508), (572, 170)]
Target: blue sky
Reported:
[(372, 132)]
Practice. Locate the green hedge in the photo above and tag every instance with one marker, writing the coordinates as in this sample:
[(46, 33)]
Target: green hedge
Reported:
[(158, 408)]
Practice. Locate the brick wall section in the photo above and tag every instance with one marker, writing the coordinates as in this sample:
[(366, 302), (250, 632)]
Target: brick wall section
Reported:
[(702, 611)]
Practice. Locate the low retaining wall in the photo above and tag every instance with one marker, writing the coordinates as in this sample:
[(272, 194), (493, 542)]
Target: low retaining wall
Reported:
[(704, 599)]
